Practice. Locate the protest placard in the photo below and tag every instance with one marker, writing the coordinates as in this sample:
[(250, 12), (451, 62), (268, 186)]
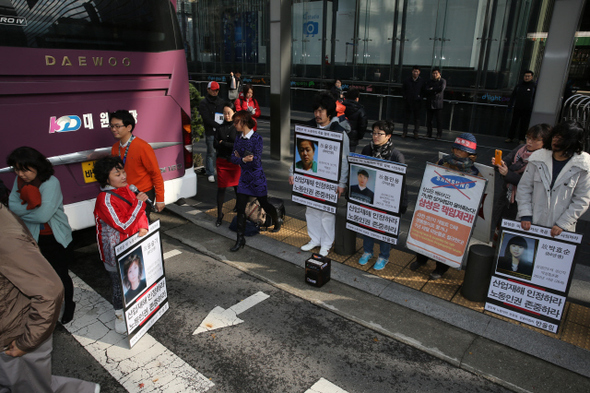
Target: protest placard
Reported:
[(140, 264), (532, 275), (446, 209), (375, 193), (317, 167)]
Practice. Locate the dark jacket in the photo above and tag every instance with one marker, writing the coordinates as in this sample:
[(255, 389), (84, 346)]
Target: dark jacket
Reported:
[(207, 108), (523, 97), (413, 90), (357, 118), (224, 139), (434, 92), (396, 156)]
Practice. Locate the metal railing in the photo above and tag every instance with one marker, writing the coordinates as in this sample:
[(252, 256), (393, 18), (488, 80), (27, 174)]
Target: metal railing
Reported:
[(577, 108)]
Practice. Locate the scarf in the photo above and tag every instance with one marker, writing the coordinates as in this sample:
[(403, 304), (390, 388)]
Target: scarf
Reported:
[(460, 164), (383, 151), (518, 165), (29, 192)]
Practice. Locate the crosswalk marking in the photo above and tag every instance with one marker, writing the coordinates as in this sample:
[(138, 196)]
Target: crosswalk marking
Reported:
[(325, 386), (171, 253), (147, 367)]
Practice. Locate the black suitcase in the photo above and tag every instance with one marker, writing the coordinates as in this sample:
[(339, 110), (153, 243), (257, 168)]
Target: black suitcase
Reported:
[(279, 206)]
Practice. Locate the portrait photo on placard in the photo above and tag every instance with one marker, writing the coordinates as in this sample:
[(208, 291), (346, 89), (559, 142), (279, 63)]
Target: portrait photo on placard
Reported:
[(306, 155), (362, 184), (133, 274), (516, 256)]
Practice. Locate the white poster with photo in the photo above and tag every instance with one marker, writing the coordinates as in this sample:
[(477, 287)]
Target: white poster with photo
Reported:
[(532, 274), (446, 210), (375, 193), (140, 265), (317, 167)]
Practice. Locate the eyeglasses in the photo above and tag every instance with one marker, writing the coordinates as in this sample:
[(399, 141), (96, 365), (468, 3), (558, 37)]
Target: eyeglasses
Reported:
[(117, 126), (378, 134)]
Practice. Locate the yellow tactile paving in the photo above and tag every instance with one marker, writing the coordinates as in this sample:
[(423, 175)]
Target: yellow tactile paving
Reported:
[(411, 279), (390, 272), (575, 328), (575, 334), (460, 300), (578, 314), (441, 288)]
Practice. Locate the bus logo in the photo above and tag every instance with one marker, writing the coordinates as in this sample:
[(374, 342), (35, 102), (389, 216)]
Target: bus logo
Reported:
[(64, 124), (12, 20)]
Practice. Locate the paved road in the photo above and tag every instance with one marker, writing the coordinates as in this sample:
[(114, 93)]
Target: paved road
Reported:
[(285, 344)]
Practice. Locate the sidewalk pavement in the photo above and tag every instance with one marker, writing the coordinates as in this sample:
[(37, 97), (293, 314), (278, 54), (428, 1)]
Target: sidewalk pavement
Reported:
[(504, 341)]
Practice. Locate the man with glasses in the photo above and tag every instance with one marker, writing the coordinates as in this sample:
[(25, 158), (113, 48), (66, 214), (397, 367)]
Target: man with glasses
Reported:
[(138, 158), (211, 110)]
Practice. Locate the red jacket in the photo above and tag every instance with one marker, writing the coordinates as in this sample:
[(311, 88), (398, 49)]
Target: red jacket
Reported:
[(116, 220), (242, 104)]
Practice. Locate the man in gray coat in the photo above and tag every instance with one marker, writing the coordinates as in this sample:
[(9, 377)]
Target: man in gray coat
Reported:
[(32, 295), (434, 90)]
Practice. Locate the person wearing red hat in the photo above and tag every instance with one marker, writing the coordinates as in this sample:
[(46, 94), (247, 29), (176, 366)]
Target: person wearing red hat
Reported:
[(211, 110)]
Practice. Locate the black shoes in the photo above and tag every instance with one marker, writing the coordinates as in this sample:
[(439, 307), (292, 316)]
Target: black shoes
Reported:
[(278, 225), (219, 220), (240, 243), (68, 313)]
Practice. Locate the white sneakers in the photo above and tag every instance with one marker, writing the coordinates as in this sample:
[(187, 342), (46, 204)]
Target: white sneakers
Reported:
[(120, 326), (211, 179), (309, 246), (97, 388)]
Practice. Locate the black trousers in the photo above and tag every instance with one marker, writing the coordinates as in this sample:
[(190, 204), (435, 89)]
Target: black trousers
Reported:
[(59, 258), (437, 114), (412, 110), (520, 123)]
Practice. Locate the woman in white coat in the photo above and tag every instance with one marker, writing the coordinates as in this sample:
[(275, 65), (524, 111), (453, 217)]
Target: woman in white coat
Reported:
[(555, 188)]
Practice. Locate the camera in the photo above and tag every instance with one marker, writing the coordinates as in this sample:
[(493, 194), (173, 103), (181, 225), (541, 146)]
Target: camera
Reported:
[(311, 28)]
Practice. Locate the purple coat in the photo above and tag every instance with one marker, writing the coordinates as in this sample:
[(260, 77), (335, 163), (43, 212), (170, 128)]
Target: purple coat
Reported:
[(252, 180)]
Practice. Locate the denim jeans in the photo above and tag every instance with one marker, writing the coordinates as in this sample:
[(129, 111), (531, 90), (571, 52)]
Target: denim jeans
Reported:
[(384, 248), (210, 159)]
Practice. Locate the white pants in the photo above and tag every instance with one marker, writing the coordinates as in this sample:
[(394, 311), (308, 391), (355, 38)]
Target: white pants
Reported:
[(321, 227), (32, 373)]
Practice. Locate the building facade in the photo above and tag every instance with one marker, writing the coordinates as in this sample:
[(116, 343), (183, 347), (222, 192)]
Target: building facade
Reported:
[(482, 47)]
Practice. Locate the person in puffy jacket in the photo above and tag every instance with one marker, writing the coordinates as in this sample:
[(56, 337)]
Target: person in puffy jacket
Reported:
[(554, 190), (118, 214)]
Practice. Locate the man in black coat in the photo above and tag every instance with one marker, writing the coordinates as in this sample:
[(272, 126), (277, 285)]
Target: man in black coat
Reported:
[(357, 118), (523, 97), (211, 110), (435, 89), (412, 90)]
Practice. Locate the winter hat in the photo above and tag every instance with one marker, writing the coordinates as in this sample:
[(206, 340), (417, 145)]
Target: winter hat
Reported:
[(465, 142)]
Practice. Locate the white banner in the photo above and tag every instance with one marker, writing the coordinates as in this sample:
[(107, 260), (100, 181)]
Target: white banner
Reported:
[(140, 265), (317, 165), (532, 274)]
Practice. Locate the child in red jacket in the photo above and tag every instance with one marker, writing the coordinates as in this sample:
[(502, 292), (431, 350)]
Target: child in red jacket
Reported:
[(119, 214)]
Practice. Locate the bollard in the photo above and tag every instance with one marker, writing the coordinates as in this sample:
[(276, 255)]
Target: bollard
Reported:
[(344, 239), (478, 273)]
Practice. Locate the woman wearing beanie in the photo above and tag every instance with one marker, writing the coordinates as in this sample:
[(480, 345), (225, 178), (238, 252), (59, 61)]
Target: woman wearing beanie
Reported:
[(462, 158)]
